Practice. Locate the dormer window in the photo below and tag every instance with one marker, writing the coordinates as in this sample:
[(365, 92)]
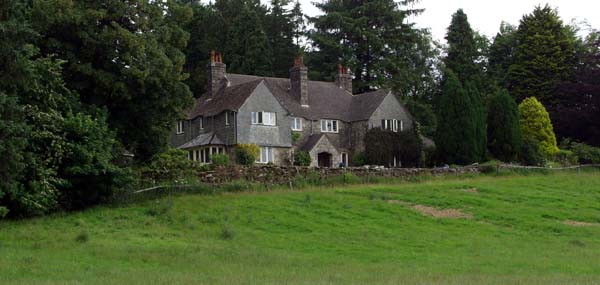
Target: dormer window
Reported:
[(180, 127), (329, 126), (296, 124), (263, 118)]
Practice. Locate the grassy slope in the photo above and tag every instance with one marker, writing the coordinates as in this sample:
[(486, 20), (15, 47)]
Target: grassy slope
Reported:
[(347, 235)]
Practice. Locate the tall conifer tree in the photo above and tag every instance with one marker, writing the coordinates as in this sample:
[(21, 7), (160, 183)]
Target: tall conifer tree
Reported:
[(366, 36), (504, 134), (457, 133), (544, 56)]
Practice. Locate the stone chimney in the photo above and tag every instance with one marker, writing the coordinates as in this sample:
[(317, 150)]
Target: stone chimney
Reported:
[(343, 79), (215, 73), (299, 81)]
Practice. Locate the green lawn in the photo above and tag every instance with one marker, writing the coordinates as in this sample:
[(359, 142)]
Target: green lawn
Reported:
[(344, 235)]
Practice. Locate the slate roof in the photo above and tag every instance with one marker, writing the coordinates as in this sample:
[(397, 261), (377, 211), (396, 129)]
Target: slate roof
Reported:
[(203, 139), (311, 142), (326, 99)]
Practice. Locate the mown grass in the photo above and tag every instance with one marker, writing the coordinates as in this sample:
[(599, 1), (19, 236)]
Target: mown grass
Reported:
[(340, 235)]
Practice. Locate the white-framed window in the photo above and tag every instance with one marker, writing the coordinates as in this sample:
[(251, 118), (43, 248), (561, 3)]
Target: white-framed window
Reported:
[(180, 127), (266, 155), (201, 123), (269, 119), (226, 118), (203, 154), (329, 126), (263, 118), (296, 124), (391, 125)]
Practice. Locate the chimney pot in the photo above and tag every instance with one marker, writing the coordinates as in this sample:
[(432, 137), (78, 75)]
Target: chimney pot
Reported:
[(215, 73), (343, 79), (299, 81)]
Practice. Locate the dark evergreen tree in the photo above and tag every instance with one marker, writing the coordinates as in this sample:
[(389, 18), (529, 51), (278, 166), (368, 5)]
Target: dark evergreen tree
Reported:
[(544, 56), (298, 24), (457, 137), (503, 131), (366, 36), (502, 52), (281, 31), (247, 49), (125, 57), (464, 61), (462, 53)]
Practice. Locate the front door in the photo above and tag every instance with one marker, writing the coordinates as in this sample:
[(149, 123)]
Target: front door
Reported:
[(324, 159)]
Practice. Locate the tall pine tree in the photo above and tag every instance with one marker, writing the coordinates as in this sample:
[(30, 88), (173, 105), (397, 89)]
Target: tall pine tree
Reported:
[(504, 134), (366, 36), (544, 56), (462, 61), (457, 137)]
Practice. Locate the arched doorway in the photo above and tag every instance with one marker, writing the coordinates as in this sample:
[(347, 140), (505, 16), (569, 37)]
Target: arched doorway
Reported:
[(324, 159)]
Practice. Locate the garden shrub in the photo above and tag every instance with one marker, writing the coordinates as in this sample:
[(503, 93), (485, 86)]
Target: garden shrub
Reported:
[(536, 126), (565, 157), (220, 159), (358, 159), (169, 165), (302, 158), (295, 136), (531, 154), (585, 154), (246, 154)]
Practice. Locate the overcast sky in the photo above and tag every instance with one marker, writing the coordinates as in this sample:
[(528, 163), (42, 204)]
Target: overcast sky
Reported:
[(486, 15)]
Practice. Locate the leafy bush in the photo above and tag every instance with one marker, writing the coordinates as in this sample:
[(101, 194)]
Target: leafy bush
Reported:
[(302, 158), (220, 159), (565, 157), (381, 146), (586, 154), (246, 154), (531, 154), (536, 126), (358, 159), (295, 136), (169, 165)]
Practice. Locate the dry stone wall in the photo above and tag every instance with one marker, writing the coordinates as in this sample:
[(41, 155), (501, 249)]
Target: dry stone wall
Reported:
[(285, 174)]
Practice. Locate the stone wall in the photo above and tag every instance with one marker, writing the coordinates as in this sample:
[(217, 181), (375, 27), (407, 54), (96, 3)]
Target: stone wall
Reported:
[(285, 174)]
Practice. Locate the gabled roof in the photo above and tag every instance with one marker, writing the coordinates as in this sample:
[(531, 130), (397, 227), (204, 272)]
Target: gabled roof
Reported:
[(312, 141), (202, 140), (326, 99), (229, 98)]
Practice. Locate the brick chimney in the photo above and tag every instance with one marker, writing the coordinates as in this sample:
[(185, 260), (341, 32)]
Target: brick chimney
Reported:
[(299, 81), (343, 79), (215, 73)]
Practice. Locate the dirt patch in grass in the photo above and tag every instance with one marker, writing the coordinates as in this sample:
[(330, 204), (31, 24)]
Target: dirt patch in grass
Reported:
[(398, 202), (434, 212), (470, 190), (579, 224), (442, 213)]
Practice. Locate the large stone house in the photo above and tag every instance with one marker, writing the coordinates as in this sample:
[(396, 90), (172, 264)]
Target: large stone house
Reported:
[(285, 115)]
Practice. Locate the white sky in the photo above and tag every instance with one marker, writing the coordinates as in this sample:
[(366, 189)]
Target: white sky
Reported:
[(486, 15)]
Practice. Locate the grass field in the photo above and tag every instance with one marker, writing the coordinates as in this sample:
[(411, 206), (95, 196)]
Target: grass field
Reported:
[(500, 230)]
